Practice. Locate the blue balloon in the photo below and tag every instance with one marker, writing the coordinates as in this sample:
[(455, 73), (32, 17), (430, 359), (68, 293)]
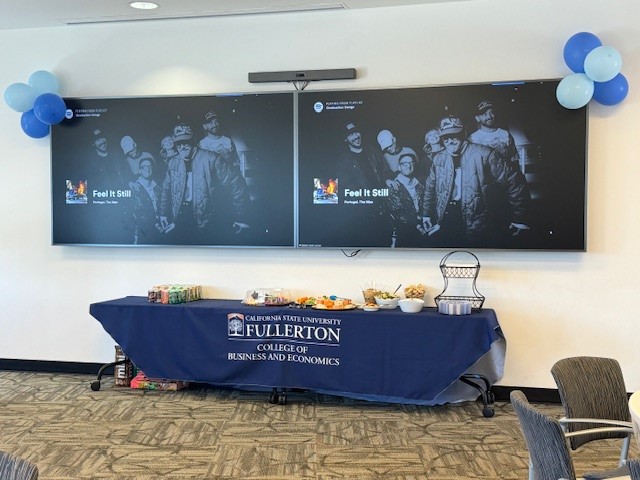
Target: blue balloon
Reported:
[(577, 48), (32, 126), (611, 92), (49, 108), (20, 97), (44, 82), (602, 64), (575, 91)]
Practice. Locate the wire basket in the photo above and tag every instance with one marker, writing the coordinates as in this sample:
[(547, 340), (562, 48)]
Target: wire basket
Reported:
[(451, 271)]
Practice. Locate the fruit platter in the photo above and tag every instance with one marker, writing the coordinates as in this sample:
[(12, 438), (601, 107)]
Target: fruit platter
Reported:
[(325, 302)]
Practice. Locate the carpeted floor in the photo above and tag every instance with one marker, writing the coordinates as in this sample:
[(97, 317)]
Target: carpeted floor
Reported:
[(72, 432)]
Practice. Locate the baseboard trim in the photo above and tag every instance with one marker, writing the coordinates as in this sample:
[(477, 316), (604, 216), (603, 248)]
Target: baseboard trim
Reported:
[(535, 395), (48, 366), (501, 392)]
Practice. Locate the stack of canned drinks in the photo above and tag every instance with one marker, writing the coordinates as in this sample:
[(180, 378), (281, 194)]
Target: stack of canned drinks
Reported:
[(174, 293), (451, 307)]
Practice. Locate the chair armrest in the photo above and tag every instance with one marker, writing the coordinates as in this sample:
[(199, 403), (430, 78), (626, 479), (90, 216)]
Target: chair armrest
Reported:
[(603, 421), (598, 430)]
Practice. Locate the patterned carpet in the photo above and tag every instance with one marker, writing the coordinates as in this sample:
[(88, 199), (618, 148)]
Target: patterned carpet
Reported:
[(72, 432)]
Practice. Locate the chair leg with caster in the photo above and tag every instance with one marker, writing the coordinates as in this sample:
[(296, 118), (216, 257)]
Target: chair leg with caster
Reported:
[(95, 385), (488, 398), (278, 398)]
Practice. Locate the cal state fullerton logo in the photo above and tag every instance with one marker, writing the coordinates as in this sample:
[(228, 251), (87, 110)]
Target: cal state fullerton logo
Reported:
[(235, 324)]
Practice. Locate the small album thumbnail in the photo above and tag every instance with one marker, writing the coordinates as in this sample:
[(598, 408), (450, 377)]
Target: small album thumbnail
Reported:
[(76, 192), (325, 191)]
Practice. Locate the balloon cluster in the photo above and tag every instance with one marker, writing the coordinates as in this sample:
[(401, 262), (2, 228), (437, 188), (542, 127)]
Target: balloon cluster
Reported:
[(596, 74), (39, 101)]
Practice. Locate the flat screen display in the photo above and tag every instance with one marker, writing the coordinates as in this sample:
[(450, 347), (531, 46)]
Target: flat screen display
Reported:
[(495, 166), (198, 170), (486, 166)]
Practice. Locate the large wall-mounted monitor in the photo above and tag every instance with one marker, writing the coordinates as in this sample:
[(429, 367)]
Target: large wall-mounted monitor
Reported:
[(402, 168), (195, 170), (491, 166)]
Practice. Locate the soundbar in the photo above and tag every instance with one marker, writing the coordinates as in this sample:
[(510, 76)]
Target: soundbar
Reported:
[(303, 75)]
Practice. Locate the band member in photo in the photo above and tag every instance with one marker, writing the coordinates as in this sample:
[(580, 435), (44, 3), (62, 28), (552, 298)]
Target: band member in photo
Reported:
[(104, 168), (134, 157), (360, 165), (145, 202), (432, 145), (186, 196), (391, 151), (167, 148), (489, 134), (473, 196), (362, 174), (405, 204), (216, 142), (232, 194), (202, 194)]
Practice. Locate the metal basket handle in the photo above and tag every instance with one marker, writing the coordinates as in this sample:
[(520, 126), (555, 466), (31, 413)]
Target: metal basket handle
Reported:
[(443, 262)]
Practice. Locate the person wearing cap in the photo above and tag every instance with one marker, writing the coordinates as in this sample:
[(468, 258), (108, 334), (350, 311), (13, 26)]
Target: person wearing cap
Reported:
[(228, 171), (473, 196), (133, 158), (360, 171), (200, 194), (104, 169), (489, 134), (215, 141), (391, 151), (405, 204), (361, 166)]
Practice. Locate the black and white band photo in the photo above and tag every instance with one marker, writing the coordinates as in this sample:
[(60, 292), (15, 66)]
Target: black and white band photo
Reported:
[(477, 166), (175, 171)]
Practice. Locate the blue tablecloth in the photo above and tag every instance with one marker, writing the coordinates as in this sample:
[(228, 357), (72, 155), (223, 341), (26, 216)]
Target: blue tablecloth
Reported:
[(385, 356)]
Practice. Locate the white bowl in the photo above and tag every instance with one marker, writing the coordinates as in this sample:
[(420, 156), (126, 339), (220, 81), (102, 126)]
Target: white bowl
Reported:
[(387, 302), (411, 305)]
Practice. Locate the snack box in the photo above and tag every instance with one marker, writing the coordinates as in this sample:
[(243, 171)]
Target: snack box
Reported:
[(265, 297), (123, 373), (141, 381)]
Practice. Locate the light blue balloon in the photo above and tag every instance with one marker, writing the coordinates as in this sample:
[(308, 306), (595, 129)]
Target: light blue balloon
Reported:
[(49, 108), (574, 91), (20, 97), (32, 126), (602, 63), (44, 82)]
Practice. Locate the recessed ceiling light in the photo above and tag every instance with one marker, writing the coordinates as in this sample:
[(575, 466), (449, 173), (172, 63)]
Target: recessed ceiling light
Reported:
[(144, 5)]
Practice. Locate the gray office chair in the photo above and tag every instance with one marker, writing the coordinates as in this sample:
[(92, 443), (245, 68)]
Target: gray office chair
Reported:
[(634, 469), (593, 394), (549, 454), (16, 468)]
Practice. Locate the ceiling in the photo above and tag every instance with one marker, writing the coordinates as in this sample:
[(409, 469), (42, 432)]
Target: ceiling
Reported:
[(17, 14)]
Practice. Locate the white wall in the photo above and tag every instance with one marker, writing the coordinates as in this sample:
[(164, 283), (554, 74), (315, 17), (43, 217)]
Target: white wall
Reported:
[(550, 305)]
